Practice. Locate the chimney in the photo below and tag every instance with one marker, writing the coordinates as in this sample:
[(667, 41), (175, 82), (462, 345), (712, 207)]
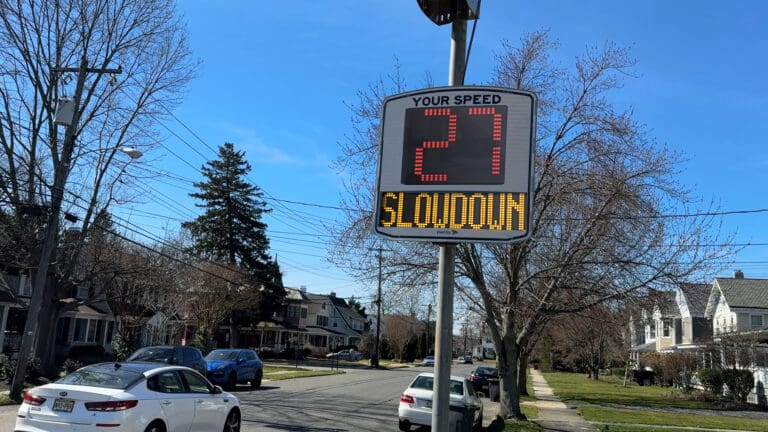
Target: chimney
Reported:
[(332, 294), (303, 288), (738, 274)]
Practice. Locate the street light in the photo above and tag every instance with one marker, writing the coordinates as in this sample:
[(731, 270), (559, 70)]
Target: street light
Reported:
[(133, 152)]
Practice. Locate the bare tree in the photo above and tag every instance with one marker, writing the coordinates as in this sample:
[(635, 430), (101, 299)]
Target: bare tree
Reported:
[(591, 338), (39, 43), (212, 292), (399, 333), (600, 226)]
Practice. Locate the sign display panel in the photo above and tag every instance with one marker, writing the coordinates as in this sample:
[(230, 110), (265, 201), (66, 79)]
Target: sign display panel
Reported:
[(456, 165)]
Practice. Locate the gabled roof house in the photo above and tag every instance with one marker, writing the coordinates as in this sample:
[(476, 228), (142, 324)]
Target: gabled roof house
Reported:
[(738, 304)]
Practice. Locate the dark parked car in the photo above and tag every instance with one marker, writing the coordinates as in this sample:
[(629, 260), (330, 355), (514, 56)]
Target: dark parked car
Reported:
[(232, 366), (188, 356), (643, 376), (480, 376)]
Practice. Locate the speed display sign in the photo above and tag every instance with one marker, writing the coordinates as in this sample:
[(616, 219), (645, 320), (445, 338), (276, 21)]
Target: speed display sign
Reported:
[(456, 165)]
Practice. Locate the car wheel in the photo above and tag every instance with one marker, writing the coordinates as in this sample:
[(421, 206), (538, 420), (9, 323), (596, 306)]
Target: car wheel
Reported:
[(256, 381), (404, 425), (233, 421), (156, 426), (232, 381)]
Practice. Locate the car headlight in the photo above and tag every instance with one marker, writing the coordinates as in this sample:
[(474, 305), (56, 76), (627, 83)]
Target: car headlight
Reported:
[(222, 367)]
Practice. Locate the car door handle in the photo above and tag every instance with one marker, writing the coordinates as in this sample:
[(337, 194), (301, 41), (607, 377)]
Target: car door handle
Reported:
[(199, 401), (166, 402)]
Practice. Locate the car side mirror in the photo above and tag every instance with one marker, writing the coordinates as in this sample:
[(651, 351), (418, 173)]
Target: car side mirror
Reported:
[(240, 361), (217, 390)]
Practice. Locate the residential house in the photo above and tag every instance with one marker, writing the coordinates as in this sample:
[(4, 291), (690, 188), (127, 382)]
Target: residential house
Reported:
[(287, 328), (738, 304), (675, 321), (318, 321), (332, 323), (79, 323), (738, 307), (8, 301)]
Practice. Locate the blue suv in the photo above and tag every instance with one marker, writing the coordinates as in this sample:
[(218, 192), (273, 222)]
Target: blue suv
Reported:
[(229, 367)]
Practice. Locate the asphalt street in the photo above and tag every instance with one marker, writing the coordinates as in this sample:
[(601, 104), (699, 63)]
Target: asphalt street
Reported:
[(359, 400)]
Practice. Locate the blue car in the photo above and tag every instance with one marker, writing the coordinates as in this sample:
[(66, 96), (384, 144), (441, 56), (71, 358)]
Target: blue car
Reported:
[(229, 367)]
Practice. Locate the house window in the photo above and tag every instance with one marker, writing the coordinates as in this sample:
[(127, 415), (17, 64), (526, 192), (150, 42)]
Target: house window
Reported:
[(62, 331), (667, 328), (303, 312), (88, 330), (756, 321), (653, 331), (91, 337), (81, 329), (322, 321), (110, 331)]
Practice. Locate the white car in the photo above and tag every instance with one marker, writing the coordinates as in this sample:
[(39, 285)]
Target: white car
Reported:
[(416, 402), (137, 397), (428, 361)]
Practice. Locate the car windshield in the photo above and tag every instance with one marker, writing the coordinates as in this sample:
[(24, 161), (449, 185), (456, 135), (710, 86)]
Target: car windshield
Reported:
[(102, 376), (487, 371), (222, 355), (152, 354), (426, 383)]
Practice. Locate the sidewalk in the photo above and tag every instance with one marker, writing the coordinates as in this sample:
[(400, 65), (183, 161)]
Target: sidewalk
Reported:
[(8, 417), (554, 416)]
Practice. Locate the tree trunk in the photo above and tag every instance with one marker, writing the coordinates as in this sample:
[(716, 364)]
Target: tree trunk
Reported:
[(508, 362), (522, 375)]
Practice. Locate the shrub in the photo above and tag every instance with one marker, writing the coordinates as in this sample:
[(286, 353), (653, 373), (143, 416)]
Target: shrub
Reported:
[(204, 341), (8, 368), (122, 347), (740, 383), (712, 380), (69, 366)]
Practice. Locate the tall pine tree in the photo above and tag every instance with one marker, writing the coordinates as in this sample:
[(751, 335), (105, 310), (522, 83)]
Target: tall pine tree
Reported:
[(231, 228)]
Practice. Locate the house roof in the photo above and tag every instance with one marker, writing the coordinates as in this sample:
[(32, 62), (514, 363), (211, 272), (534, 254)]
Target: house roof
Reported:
[(663, 304), (295, 294), (744, 293), (696, 296)]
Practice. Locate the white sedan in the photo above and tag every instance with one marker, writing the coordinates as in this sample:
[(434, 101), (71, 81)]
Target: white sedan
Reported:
[(137, 397), (416, 403)]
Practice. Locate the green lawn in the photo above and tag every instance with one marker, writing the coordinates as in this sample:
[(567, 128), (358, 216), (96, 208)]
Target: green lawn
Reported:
[(286, 372), (577, 389)]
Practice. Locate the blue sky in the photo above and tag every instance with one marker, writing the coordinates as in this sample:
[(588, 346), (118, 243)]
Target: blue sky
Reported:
[(275, 77)]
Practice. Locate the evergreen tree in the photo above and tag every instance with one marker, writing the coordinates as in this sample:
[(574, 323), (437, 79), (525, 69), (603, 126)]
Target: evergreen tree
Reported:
[(231, 228)]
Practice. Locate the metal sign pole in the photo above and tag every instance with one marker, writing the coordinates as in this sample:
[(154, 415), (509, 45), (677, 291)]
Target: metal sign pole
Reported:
[(445, 284)]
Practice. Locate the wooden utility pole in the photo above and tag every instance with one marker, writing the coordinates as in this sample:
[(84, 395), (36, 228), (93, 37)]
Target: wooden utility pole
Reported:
[(61, 172)]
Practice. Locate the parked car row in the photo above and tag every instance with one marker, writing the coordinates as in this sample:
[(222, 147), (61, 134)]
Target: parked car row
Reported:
[(158, 388), (227, 367), (140, 396)]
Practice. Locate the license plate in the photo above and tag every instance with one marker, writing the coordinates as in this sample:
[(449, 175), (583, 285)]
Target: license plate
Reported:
[(64, 405)]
